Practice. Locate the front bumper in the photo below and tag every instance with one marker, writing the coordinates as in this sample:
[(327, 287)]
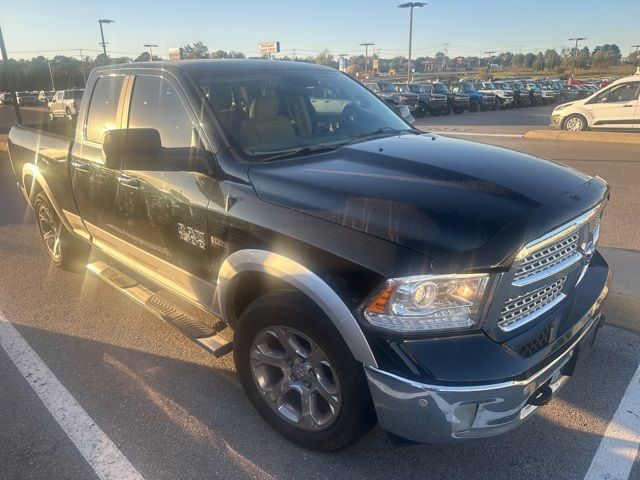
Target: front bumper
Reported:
[(556, 121), (439, 413)]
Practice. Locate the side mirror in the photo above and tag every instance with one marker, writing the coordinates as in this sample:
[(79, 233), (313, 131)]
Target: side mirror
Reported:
[(131, 149)]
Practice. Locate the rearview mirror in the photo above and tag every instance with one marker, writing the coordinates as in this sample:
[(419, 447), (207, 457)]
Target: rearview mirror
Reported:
[(131, 148)]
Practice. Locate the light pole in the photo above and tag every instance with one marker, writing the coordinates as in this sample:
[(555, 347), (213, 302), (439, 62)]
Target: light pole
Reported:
[(84, 76), (490, 53), (410, 6), (150, 46), (366, 46), (53, 85), (575, 52), (103, 43)]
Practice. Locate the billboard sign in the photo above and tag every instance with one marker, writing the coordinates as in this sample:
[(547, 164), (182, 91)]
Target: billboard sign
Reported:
[(343, 63), (268, 47)]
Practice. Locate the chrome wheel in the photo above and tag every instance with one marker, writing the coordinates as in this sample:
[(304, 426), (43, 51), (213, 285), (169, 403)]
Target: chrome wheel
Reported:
[(50, 231), (295, 378), (574, 124)]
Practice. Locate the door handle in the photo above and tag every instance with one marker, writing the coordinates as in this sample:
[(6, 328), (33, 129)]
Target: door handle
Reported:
[(128, 181), (80, 167)]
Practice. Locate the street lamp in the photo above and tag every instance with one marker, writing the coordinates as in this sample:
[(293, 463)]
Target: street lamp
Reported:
[(150, 46), (366, 56), (575, 52), (489, 62), (103, 43), (410, 6)]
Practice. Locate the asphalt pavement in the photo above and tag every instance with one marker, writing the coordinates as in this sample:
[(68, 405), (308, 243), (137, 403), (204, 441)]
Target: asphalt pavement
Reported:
[(175, 412)]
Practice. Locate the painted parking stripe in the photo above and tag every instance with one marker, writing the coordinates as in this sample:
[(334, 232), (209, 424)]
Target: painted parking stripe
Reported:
[(100, 453), (619, 447)]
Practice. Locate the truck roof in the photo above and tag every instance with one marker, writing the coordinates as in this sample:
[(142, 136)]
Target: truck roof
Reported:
[(225, 66)]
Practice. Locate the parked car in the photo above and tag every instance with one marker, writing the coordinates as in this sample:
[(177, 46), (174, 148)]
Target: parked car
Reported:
[(551, 91), (503, 98), (6, 98), (369, 271), (457, 102), (45, 96), (65, 104), (478, 101), (26, 98), (616, 106), (520, 94), (428, 100), (387, 91)]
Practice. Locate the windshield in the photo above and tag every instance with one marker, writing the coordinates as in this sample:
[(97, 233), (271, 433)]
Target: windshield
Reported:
[(467, 87), (271, 113), (440, 88), (418, 89), (489, 86), (386, 87), (75, 94)]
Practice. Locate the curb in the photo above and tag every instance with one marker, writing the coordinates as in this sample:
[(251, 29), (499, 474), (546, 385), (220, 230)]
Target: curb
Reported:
[(3, 143), (602, 137)]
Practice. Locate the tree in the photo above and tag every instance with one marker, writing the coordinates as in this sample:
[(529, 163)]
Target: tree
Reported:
[(529, 60), (551, 59), (197, 50), (583, 58), (538, 63), (326, 58), (606, 55)]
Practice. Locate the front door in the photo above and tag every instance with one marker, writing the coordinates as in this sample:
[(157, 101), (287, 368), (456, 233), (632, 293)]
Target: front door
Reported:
[(169, 219), (616, 107)]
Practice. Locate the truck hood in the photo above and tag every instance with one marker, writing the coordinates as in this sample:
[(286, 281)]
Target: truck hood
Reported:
[(463, 204)]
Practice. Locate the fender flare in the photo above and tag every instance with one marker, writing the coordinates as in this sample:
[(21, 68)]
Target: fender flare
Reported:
[(32, 170), (303, 279)]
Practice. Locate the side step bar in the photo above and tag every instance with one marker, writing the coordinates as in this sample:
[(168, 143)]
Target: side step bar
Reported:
[(204, 335)]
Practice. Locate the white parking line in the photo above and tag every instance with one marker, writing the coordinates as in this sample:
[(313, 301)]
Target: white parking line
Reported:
[(100, 453), (619, 447)]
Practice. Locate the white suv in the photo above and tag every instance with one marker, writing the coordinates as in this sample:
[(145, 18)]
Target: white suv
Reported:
[(616, 106)]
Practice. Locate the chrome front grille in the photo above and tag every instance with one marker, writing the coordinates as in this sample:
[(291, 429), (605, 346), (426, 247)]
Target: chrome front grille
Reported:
[(553, 257), (522, 309)]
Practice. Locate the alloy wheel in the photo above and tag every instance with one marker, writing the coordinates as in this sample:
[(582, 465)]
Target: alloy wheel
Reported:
[(295, 378), (50, 231)]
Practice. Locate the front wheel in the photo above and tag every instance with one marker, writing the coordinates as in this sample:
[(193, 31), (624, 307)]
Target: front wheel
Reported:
[(52, 117), (446, 110), (299, 374), (68, 115), (421, 111), (458, 110), (575, 123), (474, 106)]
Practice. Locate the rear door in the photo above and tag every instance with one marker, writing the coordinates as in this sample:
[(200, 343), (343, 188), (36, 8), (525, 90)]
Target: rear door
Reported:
[(100, 197), (169, 216), (616, 107)]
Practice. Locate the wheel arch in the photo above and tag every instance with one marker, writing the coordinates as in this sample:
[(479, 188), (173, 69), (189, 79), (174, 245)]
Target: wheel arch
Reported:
[(273, 270), (34, 182)]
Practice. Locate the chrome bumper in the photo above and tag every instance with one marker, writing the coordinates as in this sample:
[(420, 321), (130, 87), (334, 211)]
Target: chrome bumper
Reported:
[(439, 414)]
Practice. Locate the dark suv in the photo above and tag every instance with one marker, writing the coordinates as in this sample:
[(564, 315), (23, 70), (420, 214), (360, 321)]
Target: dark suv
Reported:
[(428, 99), (478, 101), (457, 102)]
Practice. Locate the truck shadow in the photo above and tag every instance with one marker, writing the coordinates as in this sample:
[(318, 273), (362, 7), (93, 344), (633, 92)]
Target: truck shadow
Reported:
[(198, 412)]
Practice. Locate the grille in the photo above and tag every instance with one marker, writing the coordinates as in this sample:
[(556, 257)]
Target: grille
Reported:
[(524, 308), (548, 257)]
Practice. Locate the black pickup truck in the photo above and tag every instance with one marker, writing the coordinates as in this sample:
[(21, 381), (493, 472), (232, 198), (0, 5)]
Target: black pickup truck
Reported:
[(359, 269)]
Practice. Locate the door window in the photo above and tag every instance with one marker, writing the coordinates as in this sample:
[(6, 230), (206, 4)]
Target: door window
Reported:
[(103, 108), (156, 104), (623, 93)]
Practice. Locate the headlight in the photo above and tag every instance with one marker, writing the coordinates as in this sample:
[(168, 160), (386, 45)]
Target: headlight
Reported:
[(562, 107), (428, 303)]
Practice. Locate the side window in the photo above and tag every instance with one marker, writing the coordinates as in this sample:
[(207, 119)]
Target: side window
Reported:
[(156, 104), (103, 107), (623, 93)]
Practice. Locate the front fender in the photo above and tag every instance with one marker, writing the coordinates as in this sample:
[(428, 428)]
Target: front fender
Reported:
[(301, 278)]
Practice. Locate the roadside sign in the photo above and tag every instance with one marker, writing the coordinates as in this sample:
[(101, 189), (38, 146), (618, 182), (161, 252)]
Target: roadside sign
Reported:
[(269, 47), (176, 54), (343, 63)]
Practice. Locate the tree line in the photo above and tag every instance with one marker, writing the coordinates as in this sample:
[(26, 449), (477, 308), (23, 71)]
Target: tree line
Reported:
[(61, 72)]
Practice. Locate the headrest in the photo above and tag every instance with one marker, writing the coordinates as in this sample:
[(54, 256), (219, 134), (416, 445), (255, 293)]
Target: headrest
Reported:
[(263, 108)]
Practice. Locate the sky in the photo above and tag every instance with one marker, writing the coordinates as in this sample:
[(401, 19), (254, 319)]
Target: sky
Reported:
[(468, 27)]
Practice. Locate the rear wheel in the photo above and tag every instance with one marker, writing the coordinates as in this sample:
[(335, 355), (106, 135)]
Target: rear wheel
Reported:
[(62, 247), (299, 374)]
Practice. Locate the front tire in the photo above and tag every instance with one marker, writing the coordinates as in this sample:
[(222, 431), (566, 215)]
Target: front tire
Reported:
[(575, 123), (52, 117), (474, 106), (299, 374)]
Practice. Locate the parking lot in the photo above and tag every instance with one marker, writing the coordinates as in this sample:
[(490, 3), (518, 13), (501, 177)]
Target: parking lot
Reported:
[(173, 411)]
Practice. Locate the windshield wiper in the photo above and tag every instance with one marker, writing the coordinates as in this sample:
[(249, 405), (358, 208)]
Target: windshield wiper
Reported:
[(317, 148), (384, 130)]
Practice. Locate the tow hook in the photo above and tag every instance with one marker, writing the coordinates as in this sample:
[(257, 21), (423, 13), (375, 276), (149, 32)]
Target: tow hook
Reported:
[(541, 396)]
